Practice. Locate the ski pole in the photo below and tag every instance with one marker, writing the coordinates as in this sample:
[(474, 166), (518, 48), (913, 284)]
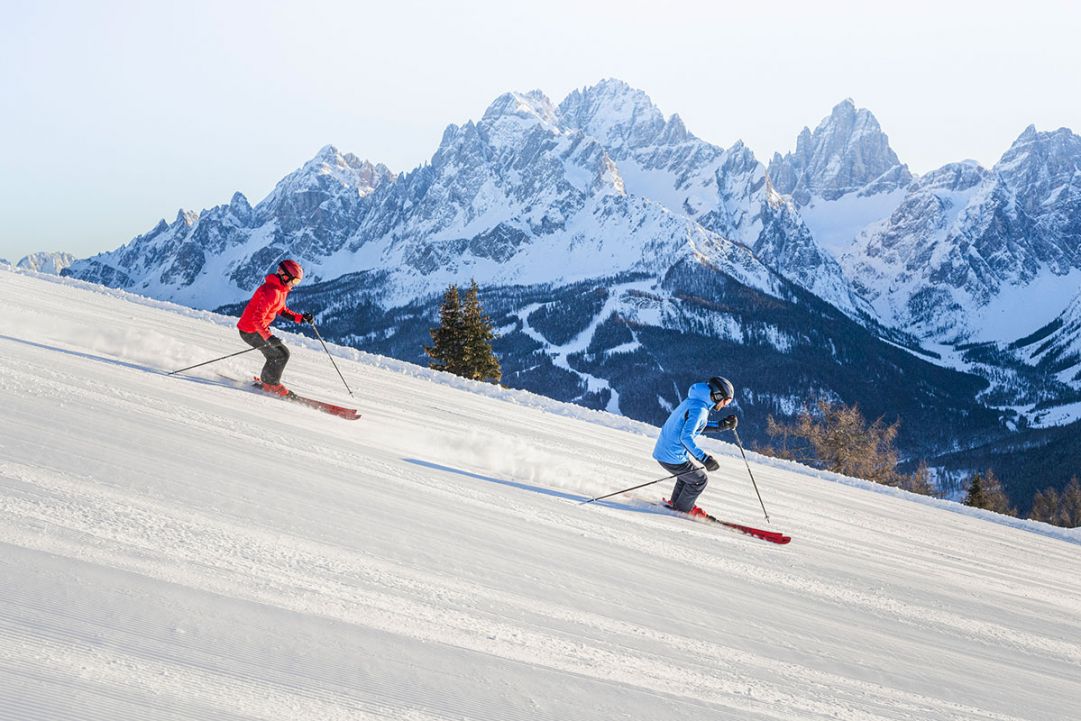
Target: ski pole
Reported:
[(331, 358), (738, 443), (239, 352), (641, 485)]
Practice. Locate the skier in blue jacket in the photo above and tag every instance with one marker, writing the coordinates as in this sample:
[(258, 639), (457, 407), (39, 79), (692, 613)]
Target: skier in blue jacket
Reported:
[(677, 440)]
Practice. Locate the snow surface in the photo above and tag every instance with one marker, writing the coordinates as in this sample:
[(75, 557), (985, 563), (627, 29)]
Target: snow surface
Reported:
[(179, 548), (835, 224), (1018, 311)]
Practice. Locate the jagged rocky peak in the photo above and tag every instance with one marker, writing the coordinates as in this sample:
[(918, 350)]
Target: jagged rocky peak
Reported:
[(511, 117), (953, 177), (329, 173), (847, 152), (239, 204), (622, 118), (1039, 162), (347, 169), (186, 217), (533, 105)]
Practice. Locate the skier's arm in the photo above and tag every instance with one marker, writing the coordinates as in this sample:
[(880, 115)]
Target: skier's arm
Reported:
[(291, 314), (725, 424), (687, 434)]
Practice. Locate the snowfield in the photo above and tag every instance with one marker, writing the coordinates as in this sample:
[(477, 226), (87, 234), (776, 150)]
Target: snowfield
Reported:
[(181, 548)]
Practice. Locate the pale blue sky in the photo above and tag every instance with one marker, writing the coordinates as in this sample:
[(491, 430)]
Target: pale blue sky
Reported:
[(115, 114)]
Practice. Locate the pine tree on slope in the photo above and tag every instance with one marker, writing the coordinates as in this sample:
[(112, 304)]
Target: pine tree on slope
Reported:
[(478, 360), (985, 491), (448, 340)]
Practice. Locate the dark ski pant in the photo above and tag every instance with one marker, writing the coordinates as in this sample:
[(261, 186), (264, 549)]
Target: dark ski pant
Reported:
[(275, 352), (689, 484)]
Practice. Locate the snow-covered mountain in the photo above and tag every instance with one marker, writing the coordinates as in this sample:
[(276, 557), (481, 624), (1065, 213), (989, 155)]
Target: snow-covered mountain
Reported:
[(181, 548), (976, 255), (216, 256), (517, 198), (726, 191), (529, 184), (846, 153), (46, 262), (843, 177)]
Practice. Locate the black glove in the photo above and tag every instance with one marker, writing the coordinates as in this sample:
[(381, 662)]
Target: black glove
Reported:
[(728, 423), (710, 464), (306, 318), (273, 342)]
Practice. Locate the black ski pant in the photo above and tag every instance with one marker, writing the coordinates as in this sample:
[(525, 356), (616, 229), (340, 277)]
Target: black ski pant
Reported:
[(275, 352), (690, 483)]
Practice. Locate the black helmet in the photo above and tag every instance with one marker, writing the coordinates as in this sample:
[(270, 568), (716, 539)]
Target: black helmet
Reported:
[(720, 389)]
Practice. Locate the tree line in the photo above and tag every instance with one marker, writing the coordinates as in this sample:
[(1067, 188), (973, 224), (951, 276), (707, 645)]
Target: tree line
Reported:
[(838, 438)]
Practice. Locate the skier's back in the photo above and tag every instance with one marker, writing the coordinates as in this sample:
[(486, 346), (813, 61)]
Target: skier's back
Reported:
[(676, 444)]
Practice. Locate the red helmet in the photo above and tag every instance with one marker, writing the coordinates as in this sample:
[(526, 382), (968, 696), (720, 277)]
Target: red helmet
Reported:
[(290, 269)]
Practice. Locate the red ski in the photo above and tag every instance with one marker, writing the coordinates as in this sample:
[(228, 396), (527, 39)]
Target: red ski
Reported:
[(771, 536), (350, 414)]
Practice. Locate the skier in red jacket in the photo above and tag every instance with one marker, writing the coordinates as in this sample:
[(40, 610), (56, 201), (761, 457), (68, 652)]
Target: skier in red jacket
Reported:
[(265, 305)]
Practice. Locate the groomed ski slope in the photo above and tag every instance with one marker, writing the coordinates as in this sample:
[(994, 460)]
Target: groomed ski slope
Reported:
[(173, 548)]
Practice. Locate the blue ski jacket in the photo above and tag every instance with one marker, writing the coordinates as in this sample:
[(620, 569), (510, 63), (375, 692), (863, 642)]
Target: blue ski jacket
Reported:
[(683, 426)]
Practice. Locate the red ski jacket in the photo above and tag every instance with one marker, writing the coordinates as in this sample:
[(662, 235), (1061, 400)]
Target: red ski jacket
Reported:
[(265, 305)]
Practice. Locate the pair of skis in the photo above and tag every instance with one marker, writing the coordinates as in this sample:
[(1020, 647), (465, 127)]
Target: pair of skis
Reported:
[(349, 414), (771, 536)]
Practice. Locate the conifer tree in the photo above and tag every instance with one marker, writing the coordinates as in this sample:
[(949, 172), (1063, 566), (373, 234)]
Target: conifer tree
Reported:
[(985, 491), (975, 496), (448, 340), (462, 344), (478, 360)]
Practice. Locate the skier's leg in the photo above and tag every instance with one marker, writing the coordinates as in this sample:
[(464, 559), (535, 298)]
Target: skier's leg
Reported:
[(693, 485), (676, 491), (275, 353), (689, 485), (684, 471)]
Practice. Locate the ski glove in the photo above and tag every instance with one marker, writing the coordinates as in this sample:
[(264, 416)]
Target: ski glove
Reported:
[(306, 318), (728, 423), (710, 464)]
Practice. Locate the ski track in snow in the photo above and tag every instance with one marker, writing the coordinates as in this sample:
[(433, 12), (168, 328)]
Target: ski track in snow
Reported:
[(175, 548)]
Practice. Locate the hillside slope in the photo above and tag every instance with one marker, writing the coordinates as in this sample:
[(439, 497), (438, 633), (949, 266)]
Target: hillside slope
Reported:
[(176, 548)]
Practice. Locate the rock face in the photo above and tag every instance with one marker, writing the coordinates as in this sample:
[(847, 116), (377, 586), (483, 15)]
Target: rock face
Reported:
[(846, 153)]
